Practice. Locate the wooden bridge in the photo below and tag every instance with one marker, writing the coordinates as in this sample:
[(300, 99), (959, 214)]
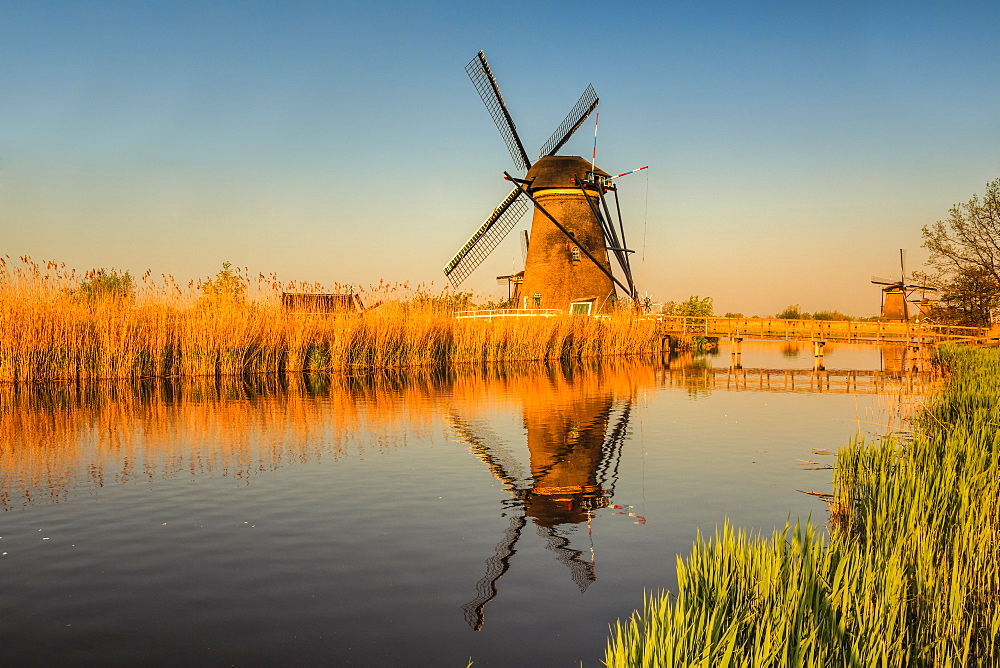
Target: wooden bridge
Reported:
[(799, 380), (776, 329), (818, 330)]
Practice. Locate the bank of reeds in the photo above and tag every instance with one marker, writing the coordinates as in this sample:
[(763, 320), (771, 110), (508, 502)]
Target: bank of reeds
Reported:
[(909, 576), (50, 329)]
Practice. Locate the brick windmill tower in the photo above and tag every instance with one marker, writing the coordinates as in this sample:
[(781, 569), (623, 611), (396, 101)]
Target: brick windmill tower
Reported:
[(573, 232)]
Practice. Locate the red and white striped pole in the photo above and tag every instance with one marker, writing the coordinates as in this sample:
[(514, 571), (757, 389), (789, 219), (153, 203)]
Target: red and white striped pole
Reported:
[(633, 171), (593, 158)]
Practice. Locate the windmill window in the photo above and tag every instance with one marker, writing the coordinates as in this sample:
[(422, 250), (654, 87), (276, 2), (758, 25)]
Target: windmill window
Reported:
[(580, 308), (575, 253)]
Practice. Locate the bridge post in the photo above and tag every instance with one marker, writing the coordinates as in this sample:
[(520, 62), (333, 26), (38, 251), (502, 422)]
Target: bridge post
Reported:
[(818, 347), (920, 352), (736, 362)]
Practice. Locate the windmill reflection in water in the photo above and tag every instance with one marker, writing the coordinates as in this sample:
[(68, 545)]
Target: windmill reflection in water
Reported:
[(574, 449)]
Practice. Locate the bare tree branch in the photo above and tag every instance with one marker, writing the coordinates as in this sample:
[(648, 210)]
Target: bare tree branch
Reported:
[(965, 254)]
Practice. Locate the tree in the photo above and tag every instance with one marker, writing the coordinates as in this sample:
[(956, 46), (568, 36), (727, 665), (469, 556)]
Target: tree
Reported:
[(965, 257), (968, 299), (693, 306), (227, 286), (793, 312), (106, 284), (830, 315)]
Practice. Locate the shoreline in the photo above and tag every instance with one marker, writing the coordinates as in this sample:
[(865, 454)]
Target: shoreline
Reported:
[(908, 575)]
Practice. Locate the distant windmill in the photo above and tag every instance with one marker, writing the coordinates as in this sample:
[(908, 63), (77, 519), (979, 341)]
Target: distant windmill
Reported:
[(566, 263), (896, 293)]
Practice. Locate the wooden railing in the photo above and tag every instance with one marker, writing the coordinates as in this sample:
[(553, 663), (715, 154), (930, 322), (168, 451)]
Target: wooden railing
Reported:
[(824, 330), (778, 329), (510, 313)]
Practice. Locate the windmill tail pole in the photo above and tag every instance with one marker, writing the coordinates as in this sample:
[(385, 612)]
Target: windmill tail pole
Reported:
[(608, 227), (621, 226), (631, 171), (622, 256)]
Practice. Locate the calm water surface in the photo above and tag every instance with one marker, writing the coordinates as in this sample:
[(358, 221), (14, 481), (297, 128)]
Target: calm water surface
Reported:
[(401, 520)]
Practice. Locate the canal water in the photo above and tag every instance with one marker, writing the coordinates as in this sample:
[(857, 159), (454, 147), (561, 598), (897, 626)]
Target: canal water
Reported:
[(505, 514)]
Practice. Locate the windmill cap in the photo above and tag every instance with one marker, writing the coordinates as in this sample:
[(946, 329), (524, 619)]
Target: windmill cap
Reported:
[(558, 171)]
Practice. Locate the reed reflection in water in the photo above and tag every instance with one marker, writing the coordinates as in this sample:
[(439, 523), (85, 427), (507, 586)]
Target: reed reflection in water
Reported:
[(54, 438), (394, 511)]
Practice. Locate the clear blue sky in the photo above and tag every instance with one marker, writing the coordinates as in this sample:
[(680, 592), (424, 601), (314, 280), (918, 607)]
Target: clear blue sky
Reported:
[(794, 147)]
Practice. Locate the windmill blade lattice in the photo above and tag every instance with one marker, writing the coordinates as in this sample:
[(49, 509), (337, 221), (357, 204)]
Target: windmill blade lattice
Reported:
[(496, 566), (581, 571), (574, 119), (489, 235), (504, 466), (482, 78), (491, 450)]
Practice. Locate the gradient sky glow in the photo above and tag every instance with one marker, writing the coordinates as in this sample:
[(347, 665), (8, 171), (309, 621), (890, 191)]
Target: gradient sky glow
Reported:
[(793, 147)]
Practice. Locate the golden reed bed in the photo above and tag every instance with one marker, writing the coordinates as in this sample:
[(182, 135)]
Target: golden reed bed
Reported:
[(51, 329)]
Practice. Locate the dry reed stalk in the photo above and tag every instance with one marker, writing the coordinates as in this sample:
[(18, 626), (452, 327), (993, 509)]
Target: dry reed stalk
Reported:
[(51, 329)]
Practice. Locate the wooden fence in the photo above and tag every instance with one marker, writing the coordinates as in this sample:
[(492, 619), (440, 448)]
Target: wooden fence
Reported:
[(815, 330), (489, 314)]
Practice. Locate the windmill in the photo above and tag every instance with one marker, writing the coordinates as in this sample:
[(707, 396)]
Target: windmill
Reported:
[(566, 264), (896, 294), (573, 471)]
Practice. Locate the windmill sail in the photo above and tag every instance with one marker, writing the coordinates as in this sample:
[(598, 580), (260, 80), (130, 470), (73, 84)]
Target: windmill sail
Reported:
[(486, 238), (582, 572), (574, 119), (504, 466), (496, 566), (482, 78), (490, 449)]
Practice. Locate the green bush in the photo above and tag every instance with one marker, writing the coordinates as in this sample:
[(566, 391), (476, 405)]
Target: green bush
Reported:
[(106, 283), (793, 312)]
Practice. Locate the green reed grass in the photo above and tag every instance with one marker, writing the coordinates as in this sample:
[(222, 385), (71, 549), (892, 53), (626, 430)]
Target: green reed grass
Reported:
[(910, 574), (52, 330)]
